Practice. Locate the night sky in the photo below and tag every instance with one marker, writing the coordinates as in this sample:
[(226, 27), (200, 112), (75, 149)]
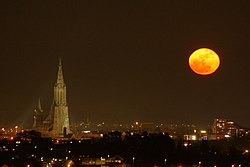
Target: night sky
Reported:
[(125, 61)]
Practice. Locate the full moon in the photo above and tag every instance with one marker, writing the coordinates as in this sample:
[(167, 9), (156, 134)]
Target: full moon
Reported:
[(204, 61)]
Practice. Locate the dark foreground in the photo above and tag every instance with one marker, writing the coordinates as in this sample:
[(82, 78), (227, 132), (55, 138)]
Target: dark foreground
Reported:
[(147, 150)]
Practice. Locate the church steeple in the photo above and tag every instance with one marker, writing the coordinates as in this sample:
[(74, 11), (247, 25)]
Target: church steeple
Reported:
[(60, 73), (39, 107), (38, 117), (60, 120), (60, 87), (56, 123)]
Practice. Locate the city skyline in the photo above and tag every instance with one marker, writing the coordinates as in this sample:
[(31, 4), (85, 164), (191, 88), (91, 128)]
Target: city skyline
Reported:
[(125, 61)]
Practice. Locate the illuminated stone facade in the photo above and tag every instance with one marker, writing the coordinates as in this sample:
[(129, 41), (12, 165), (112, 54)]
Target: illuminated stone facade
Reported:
[(60, 120), (56, 123)]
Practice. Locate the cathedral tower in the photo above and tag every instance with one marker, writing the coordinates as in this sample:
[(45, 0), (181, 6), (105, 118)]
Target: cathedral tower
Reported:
[(60, 118), (38, 117)]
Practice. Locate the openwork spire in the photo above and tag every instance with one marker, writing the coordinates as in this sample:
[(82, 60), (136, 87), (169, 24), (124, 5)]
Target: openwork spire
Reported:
[(39, 105), (60, 74)]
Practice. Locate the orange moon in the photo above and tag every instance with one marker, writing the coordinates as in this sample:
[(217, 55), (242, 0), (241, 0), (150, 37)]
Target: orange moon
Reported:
[(204, 61)]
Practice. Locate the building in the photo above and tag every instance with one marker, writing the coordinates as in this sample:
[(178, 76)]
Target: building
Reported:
[(42, 121), (38, 118), (224, 128), (60, 119), (56, 123)]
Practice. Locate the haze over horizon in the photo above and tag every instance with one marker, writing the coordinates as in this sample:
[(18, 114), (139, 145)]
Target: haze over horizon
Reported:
[(125, 61)]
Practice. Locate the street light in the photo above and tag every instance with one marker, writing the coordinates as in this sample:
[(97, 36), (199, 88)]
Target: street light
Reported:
[(133, 160)]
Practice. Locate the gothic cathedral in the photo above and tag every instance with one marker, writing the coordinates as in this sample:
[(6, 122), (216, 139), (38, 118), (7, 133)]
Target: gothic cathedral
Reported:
[(56, 123)]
